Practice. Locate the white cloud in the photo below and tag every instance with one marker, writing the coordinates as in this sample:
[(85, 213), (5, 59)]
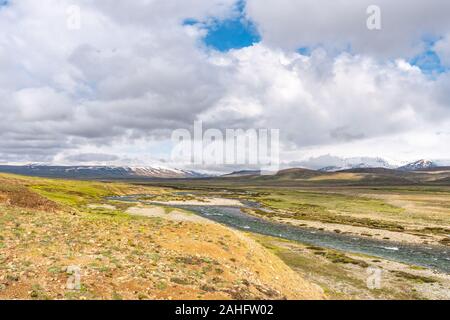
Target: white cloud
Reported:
[(294, 24), (320, 99), (442, 48), (130, 70), (133, 72)]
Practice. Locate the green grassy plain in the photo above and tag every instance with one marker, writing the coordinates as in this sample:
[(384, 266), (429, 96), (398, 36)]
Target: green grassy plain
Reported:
[(49, 225)]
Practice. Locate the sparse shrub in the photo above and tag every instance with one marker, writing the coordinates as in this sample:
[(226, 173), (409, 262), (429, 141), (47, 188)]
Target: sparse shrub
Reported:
[(180, 281)]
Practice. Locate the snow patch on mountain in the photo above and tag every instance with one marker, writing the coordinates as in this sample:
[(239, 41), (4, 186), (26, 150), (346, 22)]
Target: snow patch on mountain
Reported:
[(419, 165), (101, 171), (329, 163)]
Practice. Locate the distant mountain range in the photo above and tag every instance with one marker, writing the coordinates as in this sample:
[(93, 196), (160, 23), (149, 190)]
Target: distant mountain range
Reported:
[(380, 163), (100, 172), (242, 173), (159, 172), (438, 176)]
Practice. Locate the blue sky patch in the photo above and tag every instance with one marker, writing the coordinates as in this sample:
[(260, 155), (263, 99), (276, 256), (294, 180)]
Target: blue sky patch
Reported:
[(429, 61), (190, 22), (305, 51), (233, 33)]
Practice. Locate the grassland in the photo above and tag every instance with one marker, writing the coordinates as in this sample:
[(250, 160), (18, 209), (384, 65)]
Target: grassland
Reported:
[(377, 212), (416, 213), (127, 250), (344, 276), (47, 226)]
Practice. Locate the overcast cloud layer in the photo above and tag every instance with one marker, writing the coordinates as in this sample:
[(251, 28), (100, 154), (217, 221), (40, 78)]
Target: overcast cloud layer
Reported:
[(112, 91)]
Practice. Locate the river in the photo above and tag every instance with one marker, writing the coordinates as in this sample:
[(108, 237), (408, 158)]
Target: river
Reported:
[(434, 257)]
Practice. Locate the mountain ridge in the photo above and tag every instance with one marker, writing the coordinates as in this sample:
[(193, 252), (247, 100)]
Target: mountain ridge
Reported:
[(98, 172), (162, 172), (419, 165)]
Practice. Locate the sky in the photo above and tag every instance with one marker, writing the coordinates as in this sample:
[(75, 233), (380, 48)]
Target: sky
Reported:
[(111, 86)]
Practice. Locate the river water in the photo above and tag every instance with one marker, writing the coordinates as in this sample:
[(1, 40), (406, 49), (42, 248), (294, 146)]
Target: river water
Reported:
[(434, 257)]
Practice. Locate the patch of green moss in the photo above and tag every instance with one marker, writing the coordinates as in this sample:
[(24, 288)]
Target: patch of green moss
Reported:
[(413, 277)]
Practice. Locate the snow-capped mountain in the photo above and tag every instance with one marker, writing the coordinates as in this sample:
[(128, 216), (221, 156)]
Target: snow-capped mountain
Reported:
[(100, 172), (358, 163), (163, 172), (419, 165)]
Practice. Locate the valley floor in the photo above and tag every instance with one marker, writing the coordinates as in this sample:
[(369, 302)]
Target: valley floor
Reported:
[(49, 228), (148, 249), (346, 276)]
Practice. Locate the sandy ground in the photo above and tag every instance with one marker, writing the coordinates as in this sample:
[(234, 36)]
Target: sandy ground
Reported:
[(174, 215), (101, 206), (205, 202)]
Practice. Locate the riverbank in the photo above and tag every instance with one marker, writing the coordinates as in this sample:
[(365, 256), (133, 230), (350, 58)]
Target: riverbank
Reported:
[(49, 227), (346, 276), (245, 217), (379, 234), (224, 202), (341, 275)]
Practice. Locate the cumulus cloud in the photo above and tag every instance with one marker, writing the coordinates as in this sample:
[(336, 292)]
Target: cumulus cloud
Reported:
[(128, 71), (342, 25), (134, 71), (92, 157), (442, 48), (320, 99)]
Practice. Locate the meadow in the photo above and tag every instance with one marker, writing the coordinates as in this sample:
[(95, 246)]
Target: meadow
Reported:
[(48, 225)]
